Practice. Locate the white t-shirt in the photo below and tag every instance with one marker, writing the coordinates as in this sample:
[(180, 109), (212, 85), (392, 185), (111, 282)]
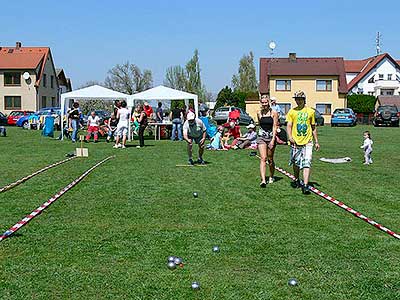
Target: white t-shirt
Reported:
[(93, 121), (123, 117), (195, 129)]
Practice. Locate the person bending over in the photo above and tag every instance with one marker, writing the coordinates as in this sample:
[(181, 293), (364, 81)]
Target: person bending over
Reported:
[(194, 131)]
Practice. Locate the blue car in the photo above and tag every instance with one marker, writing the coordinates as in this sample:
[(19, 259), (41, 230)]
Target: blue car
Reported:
[(54, 111), (343, 116)]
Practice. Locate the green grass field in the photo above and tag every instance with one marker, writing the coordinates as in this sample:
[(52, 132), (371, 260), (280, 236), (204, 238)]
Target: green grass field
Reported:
[(109, 237)]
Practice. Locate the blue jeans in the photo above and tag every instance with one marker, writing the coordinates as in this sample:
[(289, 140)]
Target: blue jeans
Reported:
[(176, 126), (75, 126)]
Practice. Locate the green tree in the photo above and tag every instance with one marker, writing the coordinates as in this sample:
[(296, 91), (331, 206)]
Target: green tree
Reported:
[(129, 79), (224, 97), (187, 78), (361, 103), (246, 80), (175, 78)]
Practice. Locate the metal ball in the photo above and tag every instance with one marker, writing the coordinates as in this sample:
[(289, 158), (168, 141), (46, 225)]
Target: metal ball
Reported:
[(215, 249), (171, 265), (292, 282), (195, 194), (177, 260), (195, 285), (171, 258)]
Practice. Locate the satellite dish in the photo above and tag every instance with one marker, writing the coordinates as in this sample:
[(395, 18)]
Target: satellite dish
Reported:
[(272, 45), (26, 75)]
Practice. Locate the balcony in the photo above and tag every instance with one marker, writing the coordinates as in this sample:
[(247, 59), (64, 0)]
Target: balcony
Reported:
[(386, 84)]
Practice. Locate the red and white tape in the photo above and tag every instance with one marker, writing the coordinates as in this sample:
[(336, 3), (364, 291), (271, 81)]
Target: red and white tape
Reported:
[(343, 206), (54, 198), (19, 181)]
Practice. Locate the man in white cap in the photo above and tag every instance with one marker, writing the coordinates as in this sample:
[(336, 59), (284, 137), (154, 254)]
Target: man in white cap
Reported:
[(302, 131), (247, 139), (194, 131)]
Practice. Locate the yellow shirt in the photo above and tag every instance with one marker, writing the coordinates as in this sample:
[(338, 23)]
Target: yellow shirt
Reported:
[(301, 120)]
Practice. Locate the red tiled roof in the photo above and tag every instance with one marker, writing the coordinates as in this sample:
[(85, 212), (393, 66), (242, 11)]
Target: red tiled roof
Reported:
[(332, 66), (354, 66), (28, 58), (389, 100), (370, 63)]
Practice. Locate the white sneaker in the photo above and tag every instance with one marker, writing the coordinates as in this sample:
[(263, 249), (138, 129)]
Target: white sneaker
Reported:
[(123, 147), (117, 146), (138, 147), (271, 180)]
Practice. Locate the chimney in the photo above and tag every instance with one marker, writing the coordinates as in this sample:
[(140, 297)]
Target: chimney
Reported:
[(292, 57), (18, 45)]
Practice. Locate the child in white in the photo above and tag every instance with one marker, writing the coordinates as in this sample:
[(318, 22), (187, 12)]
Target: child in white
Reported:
[(367, 146), (122, 127)]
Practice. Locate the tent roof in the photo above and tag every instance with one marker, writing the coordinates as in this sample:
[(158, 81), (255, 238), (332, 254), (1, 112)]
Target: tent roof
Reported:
[(95, 92), (162, 93)]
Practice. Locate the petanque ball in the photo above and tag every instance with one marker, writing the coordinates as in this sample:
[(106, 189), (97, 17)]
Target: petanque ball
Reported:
[(195, 194), (177, 260), (171, 258), (171, 265), (292, 282), (215, 249), (195, 285)]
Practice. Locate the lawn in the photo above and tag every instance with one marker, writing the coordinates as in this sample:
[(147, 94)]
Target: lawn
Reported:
[(109, 237)]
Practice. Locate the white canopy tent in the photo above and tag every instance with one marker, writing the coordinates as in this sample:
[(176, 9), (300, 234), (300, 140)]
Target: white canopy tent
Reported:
[(94, 92), (162, 93)]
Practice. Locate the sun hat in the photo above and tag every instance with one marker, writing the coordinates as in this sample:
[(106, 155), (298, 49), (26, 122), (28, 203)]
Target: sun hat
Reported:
[(190, 116), (299, 94), (251, 126), (273, 98)]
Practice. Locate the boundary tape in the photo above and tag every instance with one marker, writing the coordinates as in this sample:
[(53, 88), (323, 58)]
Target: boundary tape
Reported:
[(19, 181), (54, 198), (342, 205)]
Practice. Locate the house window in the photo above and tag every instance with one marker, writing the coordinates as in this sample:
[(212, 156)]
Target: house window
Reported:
[(52, 81), (389, 76), (380, 76), (324, 109), (324, 85), (43, 101), (283, 85), (12, 102), (285, 107), (12, 79), (371, 93), (371, 80), (53, 102), (44, 80)]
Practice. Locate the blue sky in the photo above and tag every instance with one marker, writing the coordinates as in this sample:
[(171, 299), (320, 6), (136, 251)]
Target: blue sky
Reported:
[(89, 37)]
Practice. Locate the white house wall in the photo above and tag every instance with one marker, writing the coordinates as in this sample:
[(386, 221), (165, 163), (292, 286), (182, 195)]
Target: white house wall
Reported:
[(385, 67)]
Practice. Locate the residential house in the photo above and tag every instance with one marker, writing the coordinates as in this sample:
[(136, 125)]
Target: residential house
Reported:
[(376, 75), (28, 78), (64, 82), (322, 79)]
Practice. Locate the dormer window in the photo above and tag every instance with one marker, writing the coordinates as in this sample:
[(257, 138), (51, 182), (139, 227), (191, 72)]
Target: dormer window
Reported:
[(389, 77)]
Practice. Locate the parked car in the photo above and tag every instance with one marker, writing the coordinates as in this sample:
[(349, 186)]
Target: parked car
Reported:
[(343, 116), (221, 115), (319, 119), (386, 115), (103, 115), (53, 111), (3, 119), (15, 115)]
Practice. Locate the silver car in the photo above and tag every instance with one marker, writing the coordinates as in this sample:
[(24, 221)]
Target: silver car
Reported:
[(221, 115)]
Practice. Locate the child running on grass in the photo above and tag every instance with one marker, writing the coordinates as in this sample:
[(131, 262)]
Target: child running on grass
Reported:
[(367, 146)]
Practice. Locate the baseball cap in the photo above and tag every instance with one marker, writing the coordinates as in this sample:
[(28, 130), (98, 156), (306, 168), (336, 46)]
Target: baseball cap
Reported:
[(299, 94), (190, 116), (251, 126), (272, 98)]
